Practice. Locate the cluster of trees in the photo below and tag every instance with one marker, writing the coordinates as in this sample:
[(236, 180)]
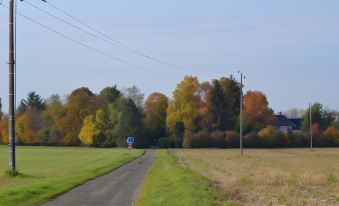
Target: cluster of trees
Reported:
[(200, 114), (83, 118)]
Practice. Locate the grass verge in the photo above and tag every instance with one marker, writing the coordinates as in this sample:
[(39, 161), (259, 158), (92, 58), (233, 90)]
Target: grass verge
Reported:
[(46, 172), (168, 184)]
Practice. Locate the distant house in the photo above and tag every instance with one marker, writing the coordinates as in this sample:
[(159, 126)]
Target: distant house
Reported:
[(285, 124), (297, 122)]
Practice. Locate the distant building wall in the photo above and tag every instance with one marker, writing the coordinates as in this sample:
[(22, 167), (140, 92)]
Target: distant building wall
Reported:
[(285, 128)]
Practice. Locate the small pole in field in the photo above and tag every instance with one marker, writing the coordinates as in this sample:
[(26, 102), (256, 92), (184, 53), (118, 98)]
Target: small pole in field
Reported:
[(241, 104), (311, 132)]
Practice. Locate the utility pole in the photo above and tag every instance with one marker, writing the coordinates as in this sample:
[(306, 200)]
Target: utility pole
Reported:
[(11, 110), (241, 104), (311, 132)]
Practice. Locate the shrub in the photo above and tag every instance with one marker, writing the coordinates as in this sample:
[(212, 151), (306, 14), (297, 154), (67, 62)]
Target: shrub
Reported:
[(109, 142), (218, 139), (331, 136), (281, 140), (177, 143), (201, 139), (232, 139), (98, 140), (252, 140), (267, 135), (168, 142), (300, 140)]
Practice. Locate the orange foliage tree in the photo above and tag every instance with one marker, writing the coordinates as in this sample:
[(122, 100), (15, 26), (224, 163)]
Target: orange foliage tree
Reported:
[(27, 126), (4, 131), (258, 113), (331, 136), (81, 103)]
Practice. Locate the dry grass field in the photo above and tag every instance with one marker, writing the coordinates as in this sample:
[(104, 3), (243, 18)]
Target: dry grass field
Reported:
[(269, 177)]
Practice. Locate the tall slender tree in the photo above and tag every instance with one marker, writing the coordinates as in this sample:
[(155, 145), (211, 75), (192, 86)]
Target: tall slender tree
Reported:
[(155, 115), (222, 100), (32, 100), (135, 95)]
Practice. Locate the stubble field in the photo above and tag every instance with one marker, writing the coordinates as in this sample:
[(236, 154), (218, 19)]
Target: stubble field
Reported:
[(268, 176)]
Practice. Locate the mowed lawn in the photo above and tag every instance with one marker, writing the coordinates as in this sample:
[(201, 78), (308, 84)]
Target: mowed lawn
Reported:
[(169, 184), (268, 176), (49, 171)]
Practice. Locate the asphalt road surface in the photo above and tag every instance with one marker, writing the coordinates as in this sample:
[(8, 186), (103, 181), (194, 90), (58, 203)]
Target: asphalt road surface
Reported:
[(120, 187)]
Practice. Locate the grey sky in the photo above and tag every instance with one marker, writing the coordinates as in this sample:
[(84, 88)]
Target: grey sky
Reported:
[(288, 49)]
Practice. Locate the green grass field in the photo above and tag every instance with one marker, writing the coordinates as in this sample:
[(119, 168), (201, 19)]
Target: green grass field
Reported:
[(168, 184), (49, 171)]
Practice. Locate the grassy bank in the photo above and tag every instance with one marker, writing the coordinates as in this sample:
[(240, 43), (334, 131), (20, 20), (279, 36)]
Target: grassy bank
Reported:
[(49, 171), (168, 184), (270, 176)]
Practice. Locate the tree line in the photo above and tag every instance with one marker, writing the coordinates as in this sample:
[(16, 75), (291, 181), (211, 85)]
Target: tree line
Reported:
[(199, 114)]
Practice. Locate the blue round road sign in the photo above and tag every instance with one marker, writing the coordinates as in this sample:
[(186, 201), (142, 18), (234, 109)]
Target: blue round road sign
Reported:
[(130, 140)]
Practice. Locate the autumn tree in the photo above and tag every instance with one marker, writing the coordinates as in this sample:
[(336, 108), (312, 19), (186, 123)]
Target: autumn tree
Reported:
[(155, 115), (81, 103), (27, 126), (268, 135), (4, 131), (205, 116), (258, 113), (135, 95), (95, 130), (185, 105), (1, 114), (89, 130), (50, 134), (331, 137), (108, 96), (323, 117), (32, 100), (125, 120)]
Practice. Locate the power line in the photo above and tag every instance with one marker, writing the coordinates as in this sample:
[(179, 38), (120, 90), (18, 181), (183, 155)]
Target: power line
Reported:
[(124, 46), (92, 48), (69, 23)]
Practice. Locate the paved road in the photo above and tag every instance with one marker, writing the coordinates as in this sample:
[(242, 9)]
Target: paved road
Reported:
[(120, 187)]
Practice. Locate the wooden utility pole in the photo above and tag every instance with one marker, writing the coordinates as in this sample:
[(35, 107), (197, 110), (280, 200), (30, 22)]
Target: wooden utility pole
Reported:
[(311, 132), (11, 99), (241, 104)]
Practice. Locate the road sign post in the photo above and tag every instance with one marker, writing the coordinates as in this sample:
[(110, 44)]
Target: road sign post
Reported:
[(130, 141)]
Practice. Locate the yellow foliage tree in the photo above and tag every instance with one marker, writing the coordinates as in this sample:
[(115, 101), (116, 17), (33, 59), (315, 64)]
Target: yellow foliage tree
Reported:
[(89, 130), (185, 104), (267, 135)]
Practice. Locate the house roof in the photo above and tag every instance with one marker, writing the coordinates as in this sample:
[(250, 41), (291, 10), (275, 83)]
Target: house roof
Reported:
[(297, 122), (282, 120)]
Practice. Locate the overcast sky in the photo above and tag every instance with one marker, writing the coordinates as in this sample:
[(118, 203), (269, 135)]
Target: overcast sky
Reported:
[(289, 49)]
